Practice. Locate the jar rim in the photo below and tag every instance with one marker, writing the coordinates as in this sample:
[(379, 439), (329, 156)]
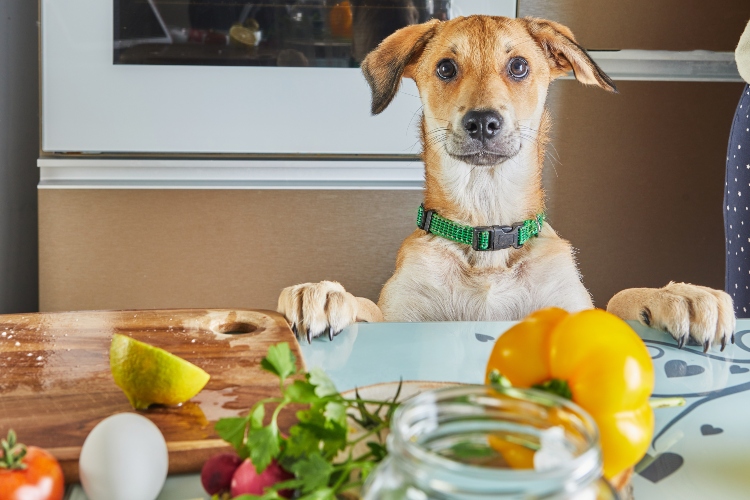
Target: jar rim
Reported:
[(579, 472)]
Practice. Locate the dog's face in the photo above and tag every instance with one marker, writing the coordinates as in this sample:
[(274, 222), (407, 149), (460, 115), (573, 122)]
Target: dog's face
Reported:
[(482, 80)]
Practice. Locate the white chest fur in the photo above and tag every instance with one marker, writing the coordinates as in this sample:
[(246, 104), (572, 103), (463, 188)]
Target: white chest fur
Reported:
[(439, 280)]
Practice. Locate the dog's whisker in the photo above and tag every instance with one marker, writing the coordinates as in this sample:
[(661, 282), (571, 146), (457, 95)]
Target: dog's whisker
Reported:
[(439, 130), (554, 169), (436, 118), (415, 144), (436, 135), (414, 115), (528, 128)]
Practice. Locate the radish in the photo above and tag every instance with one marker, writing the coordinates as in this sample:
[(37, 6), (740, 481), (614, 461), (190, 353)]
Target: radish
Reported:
[(247, 481), (217, 472)]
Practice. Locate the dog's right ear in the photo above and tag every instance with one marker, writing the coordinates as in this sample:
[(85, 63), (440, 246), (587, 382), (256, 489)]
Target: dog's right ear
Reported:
[(392, 59)]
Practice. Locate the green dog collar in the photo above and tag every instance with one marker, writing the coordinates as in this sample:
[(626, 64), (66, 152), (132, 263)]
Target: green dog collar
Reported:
[(481, 238)]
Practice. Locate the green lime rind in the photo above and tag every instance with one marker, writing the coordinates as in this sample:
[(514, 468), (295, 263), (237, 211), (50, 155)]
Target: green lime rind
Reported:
[(150, 375)]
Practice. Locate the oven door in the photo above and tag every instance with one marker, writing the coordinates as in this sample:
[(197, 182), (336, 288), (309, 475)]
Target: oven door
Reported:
[(158, 76)]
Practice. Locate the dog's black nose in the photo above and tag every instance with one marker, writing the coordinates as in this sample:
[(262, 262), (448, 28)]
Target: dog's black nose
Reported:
[(482, 125)]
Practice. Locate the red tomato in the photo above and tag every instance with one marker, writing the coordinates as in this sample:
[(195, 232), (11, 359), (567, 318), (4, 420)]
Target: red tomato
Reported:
[(42, 479)]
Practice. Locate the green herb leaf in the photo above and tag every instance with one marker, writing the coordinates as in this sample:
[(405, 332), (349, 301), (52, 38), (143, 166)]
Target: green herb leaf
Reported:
[(367, 419), (280, 361), (335, 412), (291, 484), (232, 430), (392, 409), (263, 446), (378, 450), (301, 392), (269, 495), (257, 416), (337, 443), (323, 432), (331, 435), (314, 471), (323, 384), (366, 468), (301, 442), (320, 435), (321, 494)]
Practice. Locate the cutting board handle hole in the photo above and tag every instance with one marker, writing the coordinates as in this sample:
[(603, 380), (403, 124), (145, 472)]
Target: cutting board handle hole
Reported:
[(235, 328)]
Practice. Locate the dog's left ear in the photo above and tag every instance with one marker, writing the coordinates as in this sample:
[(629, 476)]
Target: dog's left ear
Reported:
[(393, 59), (565, 54)]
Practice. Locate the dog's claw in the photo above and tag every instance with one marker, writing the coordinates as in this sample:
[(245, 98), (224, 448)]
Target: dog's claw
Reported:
[(706, 344), (680, 342), (646, 317), (330, 334), (336, 333), (732, 337), (309, 337), (294, 330), (723, 342)]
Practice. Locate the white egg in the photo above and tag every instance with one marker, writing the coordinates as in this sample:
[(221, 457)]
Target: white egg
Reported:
[(123, 458)]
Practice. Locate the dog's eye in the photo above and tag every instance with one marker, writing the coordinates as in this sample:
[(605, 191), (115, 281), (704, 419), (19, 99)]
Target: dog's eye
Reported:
[(518, 67), (446, 69)]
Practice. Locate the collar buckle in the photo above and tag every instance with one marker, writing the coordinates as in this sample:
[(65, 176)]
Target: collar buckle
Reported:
[(426, 219), (500, 237)]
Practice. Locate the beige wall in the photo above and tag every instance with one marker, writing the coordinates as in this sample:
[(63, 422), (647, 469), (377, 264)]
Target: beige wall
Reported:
[(638, 190), (120, 249), (647, 24), (639, 185)]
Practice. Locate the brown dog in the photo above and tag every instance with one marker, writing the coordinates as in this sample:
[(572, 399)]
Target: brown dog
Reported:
[(483, 83)]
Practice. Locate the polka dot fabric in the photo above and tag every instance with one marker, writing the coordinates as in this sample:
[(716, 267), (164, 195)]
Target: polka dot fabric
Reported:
[(737, 209)]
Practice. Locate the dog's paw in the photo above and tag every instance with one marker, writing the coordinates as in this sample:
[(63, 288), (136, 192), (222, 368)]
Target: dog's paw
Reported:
[(683, 310), (315, 308)]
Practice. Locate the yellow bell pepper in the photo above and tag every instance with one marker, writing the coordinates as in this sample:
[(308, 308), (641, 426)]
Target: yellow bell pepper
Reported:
[(517, 456), (605, 367)]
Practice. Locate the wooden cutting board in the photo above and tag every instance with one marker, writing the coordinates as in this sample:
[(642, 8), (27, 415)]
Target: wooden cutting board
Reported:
[(55, 382)]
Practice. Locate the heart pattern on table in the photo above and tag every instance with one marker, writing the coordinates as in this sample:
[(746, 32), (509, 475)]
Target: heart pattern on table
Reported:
[(662, 466), (678, 368), (734, 369), (483, 338), (710, 430)]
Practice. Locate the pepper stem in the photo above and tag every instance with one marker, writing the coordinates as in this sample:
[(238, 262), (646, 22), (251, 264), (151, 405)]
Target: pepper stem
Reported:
[(13, 453), (657, 403), (498, 379), (555, 386)]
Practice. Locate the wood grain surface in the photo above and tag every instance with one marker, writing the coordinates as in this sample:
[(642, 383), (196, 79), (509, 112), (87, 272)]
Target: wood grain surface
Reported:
[(56, 385)]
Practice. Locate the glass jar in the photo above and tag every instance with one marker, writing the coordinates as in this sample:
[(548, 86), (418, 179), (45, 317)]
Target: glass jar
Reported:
[(460, 442)]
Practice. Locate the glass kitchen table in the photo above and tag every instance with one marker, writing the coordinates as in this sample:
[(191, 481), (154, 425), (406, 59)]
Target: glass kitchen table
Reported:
[(698, 451)]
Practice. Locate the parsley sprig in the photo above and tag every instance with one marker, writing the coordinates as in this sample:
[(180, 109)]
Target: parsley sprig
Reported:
[(319, 450)]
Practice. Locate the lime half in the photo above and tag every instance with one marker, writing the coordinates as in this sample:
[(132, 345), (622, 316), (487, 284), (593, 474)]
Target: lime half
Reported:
[(149, 375)]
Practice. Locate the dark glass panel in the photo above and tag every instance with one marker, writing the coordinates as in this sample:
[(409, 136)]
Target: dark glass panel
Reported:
[(314, 33)]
